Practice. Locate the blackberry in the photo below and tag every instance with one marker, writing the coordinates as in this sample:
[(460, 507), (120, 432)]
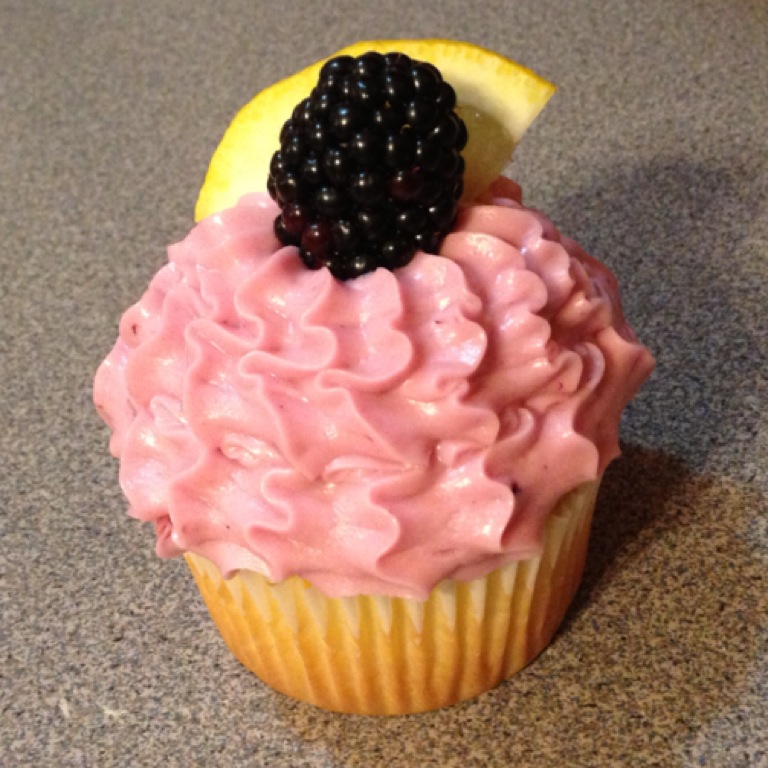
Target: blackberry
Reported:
[(369, 168)]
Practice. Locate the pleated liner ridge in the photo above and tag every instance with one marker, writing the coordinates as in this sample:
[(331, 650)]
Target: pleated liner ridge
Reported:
[(372, 654)]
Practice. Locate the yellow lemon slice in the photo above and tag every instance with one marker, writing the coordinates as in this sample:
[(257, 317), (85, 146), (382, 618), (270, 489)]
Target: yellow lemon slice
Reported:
[(497, 99)]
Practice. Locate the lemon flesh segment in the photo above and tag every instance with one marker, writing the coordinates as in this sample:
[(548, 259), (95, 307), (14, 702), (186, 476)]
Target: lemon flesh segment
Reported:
[(497, 98)]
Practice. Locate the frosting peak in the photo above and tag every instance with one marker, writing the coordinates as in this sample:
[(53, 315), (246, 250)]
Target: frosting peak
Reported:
[(375, 435)]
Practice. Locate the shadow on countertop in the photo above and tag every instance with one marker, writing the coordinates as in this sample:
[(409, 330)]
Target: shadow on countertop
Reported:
[(689, 244)]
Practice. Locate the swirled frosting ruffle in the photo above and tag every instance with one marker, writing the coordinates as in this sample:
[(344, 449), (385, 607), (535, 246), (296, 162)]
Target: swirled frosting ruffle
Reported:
[(375, 435)]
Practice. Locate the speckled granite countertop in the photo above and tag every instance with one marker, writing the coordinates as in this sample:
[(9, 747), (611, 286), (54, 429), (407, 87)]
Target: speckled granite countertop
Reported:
[(653, 154)]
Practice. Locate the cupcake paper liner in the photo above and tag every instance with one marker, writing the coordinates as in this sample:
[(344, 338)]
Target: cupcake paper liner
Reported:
[(373, 654)]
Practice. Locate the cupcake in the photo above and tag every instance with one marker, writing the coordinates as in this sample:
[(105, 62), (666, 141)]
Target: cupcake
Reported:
[(371, 396)]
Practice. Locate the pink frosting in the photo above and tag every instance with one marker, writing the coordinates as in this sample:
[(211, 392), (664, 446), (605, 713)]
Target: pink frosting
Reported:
[(376, 435)]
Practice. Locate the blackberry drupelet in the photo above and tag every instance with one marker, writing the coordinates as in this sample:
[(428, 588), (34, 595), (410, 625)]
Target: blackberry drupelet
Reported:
[(369, 167)]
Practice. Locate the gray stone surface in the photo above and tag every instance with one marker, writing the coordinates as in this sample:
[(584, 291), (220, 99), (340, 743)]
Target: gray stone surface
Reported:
[(653, 154)]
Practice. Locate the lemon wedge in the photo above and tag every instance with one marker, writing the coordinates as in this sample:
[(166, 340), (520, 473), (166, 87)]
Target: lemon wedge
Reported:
[(497, 99)]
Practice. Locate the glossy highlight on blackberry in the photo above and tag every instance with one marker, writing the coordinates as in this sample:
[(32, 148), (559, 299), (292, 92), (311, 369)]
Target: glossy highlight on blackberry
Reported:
[(369, 168)]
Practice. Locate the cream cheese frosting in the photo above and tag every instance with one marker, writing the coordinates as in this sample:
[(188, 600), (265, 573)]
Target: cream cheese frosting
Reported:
[(373, 436)]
